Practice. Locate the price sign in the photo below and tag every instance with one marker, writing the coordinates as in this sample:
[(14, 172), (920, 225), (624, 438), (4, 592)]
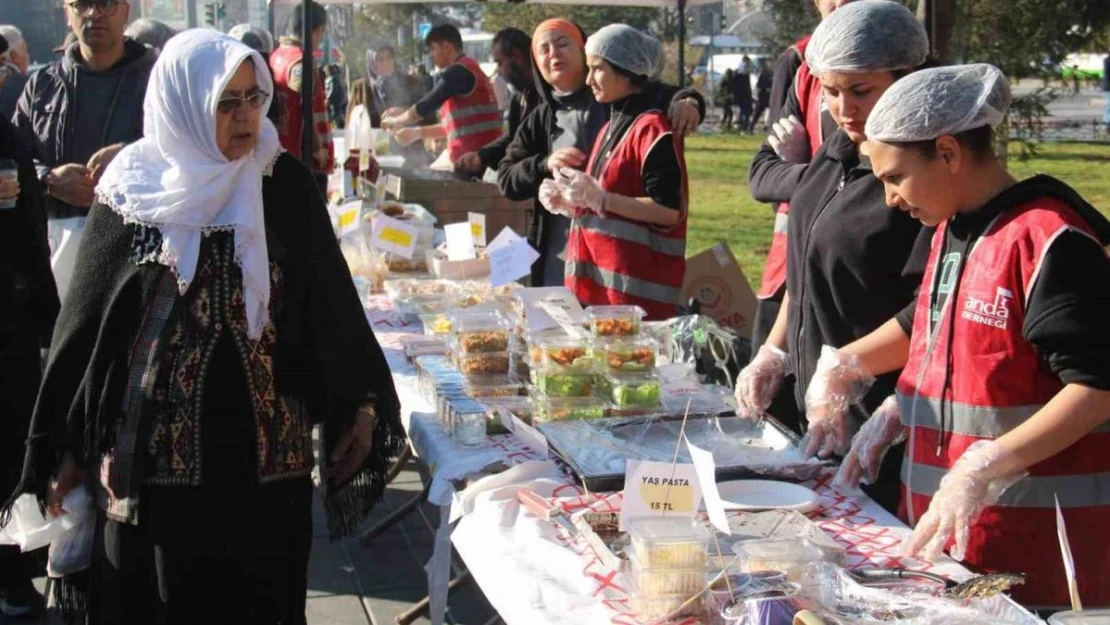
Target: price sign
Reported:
[(477, 228), (460, 242), (346, 218), (394, 236), (659, 488), (511, 262)]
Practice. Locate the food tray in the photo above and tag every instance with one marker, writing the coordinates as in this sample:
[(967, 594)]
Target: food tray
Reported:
[(597, 450)]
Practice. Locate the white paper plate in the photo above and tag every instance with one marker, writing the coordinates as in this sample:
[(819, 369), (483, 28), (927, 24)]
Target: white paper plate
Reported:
[(766, 495)]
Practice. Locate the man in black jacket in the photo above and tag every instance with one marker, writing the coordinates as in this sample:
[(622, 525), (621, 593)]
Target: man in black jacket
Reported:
[(512, 50)]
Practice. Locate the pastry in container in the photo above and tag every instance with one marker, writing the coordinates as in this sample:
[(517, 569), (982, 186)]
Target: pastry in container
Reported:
[(614, 321), (657, 581), (482, 363), (555, 384), (481, 332), (636, 355), (632, 390), (485, 386), (665, 608), (569, 409), (668, 542)]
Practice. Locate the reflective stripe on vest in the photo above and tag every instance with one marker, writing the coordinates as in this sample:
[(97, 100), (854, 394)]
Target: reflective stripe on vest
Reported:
[(623, 283), (459, 114), (633, 233), (969, 420), (781, 222), (457, 132), (1074, 491)]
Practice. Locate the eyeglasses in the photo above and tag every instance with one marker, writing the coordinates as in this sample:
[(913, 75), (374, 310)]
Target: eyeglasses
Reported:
[(106, 8), (228, 106)]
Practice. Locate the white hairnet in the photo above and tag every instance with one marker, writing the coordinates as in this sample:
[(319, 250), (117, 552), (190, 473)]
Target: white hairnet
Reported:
[(626, 47), (254, 37), (867, 36), (940, 101)]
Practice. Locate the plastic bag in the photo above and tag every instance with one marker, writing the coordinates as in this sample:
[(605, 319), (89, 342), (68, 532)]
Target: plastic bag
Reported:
[(70, 535), (29, 529)]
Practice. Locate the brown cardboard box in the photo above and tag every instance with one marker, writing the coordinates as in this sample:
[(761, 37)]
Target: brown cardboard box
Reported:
[(716, 280)]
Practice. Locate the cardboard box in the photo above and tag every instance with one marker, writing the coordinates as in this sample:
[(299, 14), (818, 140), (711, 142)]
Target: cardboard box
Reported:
[(716, 280)]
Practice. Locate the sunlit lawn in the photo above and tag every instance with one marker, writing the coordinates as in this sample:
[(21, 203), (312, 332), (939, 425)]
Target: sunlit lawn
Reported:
[(722, 209)]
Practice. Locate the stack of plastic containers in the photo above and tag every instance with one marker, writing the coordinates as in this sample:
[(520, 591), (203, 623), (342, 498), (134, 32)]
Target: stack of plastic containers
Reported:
[(564, 380), (667, 565)]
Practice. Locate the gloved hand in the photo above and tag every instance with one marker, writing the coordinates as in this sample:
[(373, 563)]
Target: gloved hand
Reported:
[(976, 481), (580, 189), (877, 435), (551, 197), (838, 382), (758, 382), (788, 140)]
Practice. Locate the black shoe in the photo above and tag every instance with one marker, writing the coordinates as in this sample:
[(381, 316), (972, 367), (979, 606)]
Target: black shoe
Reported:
[(22, 601)]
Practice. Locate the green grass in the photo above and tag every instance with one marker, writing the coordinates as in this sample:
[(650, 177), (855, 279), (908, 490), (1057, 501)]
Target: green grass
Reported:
[(722, 209)]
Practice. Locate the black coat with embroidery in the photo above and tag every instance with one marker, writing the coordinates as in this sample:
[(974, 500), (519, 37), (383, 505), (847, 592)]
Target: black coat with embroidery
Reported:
[(325, 354)]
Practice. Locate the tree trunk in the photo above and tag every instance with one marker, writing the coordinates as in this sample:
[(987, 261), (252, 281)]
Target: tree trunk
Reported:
[(940, 22)]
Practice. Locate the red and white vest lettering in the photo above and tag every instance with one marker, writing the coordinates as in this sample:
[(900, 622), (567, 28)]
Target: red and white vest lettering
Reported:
[(283, 58), (807, 88), (471, 120), (613, 260), (997, 381)]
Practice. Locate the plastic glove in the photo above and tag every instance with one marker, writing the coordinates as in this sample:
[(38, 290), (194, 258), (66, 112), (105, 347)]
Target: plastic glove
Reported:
[(758, 382), (788, 140), (551, 197), (838, 382), (579, 189), (977, 480), (877, 435)]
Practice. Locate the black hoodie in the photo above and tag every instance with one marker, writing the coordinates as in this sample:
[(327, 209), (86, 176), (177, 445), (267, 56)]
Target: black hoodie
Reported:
[(525, 164), (1067, 316)]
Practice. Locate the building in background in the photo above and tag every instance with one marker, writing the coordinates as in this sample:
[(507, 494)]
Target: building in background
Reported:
[(43, 24)]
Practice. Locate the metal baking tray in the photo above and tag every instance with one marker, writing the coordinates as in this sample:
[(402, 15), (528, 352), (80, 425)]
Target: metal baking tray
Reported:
[(596, 450)]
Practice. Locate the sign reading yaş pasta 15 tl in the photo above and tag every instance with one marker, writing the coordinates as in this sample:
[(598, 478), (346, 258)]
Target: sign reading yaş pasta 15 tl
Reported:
[(659, 488)]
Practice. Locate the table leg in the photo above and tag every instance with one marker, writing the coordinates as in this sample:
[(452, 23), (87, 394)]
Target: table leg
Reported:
[(421, 607), (372, 532)]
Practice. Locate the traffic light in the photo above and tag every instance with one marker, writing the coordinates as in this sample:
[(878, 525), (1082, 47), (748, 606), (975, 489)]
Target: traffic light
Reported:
[(724, 22), (210, 14)]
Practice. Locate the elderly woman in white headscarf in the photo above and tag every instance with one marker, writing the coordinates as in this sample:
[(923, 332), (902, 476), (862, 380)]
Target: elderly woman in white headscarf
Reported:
[(627, 242), (211, 324)]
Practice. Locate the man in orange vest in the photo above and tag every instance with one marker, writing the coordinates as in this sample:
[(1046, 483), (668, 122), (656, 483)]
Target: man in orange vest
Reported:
[(463, 95), (1004, 396), (286, 65)]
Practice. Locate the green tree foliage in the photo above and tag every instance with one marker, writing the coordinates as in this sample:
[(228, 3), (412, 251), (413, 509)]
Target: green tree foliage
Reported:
[(794, 19), (497, 15), (376, 25)]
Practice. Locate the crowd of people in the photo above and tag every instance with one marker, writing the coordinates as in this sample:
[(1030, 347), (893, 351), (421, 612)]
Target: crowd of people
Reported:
[(934, 322)]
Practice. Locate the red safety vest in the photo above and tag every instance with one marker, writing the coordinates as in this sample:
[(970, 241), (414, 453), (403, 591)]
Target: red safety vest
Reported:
[(996, 382), (282, 59), (472, 120), (613, 260), (808, 89)]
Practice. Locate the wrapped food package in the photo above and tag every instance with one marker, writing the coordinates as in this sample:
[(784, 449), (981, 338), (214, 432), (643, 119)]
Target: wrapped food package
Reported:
[(614, 321), (668, 542)]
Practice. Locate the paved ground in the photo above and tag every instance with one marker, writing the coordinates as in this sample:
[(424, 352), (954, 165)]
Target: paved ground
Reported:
[(354, 585)]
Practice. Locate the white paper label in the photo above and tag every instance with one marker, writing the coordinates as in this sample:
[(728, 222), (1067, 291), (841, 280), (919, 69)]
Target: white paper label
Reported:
[(394, 236), (477, 228), (460, 242), (659, 488), (346, 218), (511, 262), (505, 237), (567, 314), (537, 317), (707, 477)]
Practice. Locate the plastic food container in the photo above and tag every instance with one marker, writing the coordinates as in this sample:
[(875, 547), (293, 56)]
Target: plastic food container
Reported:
[(437, 324), (481, 332), (469, 419), (404, 287), (636, 355), (632, 390), (482, 363), (423, 303), (654, 581), (566, 355), (611, 321), (630, 411), (790, 556), (651, 609), (417, 346), (668, 542), (1084, 617), (523, 407), (569, 409), (554, 384), (484, 386)]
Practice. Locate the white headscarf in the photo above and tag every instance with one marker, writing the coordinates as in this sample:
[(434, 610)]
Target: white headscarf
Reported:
[(176, 179)]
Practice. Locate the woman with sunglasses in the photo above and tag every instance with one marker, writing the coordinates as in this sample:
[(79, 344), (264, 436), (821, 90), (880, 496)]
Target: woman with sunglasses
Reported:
[(211, 324)]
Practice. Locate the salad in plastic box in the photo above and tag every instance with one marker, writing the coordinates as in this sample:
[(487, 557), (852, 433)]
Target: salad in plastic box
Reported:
[(566, 355), (632, 390), (555, 384), (630, 355), (569, 409)]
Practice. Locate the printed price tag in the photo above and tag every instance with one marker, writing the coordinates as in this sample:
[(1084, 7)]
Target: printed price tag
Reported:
[(394, 236), (659, 488), (477, 228), (460, 242), (511, 262)]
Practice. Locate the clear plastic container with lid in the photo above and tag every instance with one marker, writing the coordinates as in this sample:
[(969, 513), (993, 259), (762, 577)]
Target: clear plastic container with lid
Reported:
[(790, 556), (482, 363), (652, 609), (629, 355), (566, 355), (668, 542), (524, 408), (469, 421), (569, 409), (419, 345), (629, 390), (655, 581), (613, 321), (1084, 617), (481, 332), (554, 384), (484, 386), (437, 324)]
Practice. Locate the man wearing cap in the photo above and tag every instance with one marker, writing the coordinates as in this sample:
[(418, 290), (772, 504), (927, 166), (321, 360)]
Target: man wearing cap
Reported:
[(1005, 393), (14, 70), (463, 95), (76, 114)]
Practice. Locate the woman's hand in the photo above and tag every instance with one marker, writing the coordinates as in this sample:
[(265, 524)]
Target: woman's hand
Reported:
[(353, 447), (869, 447), (580, 189), (551, 198), (788, 140), (100, 161), (685, 117), (759, 382), (838, 382), (407, 136), (66, 478), (572, 158)]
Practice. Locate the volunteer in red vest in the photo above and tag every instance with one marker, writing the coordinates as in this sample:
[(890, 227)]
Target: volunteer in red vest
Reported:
[(286, 65), (627, 240), (803, 123), (462, 94), (1005, 394), (853, 263)]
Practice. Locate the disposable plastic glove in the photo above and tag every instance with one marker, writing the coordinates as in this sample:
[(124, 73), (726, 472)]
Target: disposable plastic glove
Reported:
[(838, 382), (788, 140), (579, 189), (758, 382), (976, 481), (877, 435), (551, 197)]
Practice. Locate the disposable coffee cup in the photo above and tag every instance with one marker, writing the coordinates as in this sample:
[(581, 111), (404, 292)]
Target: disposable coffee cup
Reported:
[(8, 171)]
